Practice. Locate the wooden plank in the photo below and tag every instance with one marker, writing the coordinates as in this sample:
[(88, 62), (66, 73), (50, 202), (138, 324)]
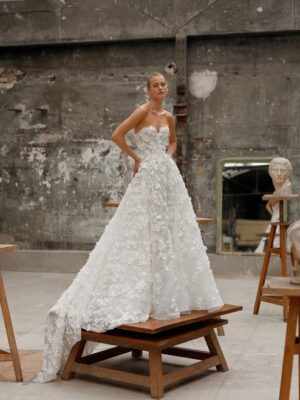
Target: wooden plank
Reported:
[(205, 221), (112, 374), (153, 326), (7, 248), (75, 355), (280, 198), (215, 348), (104, 355), (272, 300), (6, 357), (281, 292), (187, 353), (147, 342), (264, 269), (191, 370), (191, 335)]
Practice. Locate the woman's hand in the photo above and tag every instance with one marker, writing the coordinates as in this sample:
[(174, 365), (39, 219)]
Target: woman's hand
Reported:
[(137, 164)]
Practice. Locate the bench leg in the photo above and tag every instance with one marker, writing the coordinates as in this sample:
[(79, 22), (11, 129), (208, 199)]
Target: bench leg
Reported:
[(289, 350), (215, 349), (156, 374), (137, 353), (74, 356)]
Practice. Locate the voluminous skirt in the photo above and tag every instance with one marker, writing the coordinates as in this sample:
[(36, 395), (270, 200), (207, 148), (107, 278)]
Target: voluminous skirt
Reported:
[(149, 262)]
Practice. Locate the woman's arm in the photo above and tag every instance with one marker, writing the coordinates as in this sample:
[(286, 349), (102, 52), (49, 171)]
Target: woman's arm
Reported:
[(120, 132), (172, 137)]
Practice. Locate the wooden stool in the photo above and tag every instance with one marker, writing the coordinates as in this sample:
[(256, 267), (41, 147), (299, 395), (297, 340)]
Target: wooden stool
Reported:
[(281, 251), (281, 286), (13, 354), (157, 337)]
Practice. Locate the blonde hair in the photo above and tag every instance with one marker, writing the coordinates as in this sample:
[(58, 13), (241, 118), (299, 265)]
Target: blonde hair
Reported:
[(150, 76)]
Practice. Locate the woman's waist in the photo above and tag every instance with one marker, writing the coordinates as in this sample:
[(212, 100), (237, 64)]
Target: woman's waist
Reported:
[(153, 154)]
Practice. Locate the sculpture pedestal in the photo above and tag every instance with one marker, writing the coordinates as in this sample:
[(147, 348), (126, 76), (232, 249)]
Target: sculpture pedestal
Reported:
[(281, 251)]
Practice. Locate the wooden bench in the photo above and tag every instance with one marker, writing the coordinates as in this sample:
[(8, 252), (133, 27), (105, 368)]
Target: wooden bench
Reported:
[(156, 337)]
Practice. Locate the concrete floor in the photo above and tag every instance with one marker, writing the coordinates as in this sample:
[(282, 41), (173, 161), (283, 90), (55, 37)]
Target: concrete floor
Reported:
[(253, 347)]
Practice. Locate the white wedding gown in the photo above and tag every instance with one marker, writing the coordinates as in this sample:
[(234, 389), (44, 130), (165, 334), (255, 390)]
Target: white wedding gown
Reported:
[(149, 262)]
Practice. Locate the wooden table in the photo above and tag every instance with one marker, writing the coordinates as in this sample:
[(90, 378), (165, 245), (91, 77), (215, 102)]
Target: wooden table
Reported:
[(13, 355), (156, 337), (281, 286)]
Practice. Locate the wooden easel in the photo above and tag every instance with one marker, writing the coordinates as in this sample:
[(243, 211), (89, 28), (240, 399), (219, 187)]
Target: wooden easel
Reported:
[(281, 251), (13, 355)]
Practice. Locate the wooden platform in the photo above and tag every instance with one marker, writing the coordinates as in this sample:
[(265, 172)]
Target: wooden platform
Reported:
[(156, 337)]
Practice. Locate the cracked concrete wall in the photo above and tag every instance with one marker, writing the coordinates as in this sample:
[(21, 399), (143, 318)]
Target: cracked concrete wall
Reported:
[(59, 107), (244, 101), (60, 104), (58, 165), (43, 21)]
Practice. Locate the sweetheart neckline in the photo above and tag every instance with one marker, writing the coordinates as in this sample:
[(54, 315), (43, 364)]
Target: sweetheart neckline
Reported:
[(152, 126)]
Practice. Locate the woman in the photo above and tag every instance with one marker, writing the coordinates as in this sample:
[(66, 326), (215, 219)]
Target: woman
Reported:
[(150, 260)]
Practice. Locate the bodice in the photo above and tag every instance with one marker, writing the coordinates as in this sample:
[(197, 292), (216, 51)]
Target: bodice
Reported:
[(151, 142)]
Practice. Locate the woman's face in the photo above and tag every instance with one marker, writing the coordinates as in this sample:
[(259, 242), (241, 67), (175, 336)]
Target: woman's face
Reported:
[(279, 173), (158, 87)]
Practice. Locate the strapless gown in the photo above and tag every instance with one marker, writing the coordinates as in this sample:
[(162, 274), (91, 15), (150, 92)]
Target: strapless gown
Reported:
[(149, 262)]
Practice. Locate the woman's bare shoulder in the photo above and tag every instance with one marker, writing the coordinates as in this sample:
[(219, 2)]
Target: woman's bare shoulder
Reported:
[(142, 109), (168, 114)]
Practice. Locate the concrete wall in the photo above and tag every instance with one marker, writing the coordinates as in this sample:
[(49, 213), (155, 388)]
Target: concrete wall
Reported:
[(42, 21), (60, 104), (244, 102), (59, 107)]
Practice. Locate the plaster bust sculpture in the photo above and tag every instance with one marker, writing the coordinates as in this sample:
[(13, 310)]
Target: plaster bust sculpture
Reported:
[(294, 237), (280, 170)]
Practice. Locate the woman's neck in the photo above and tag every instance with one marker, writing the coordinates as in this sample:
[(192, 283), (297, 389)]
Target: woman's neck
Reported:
[(155, 105)]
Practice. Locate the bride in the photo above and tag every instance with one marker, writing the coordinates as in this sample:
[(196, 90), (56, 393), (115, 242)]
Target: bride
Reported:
[(150, 261)]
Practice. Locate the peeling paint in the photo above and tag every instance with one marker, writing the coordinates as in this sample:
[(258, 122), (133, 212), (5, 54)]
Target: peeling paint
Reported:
[(47, 183), (26, 119), (64, 171), (44, 138), (203, 83), (36, 156), (26, 206), (9, 77), (5, 176), (99, 151), (4, 150)]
